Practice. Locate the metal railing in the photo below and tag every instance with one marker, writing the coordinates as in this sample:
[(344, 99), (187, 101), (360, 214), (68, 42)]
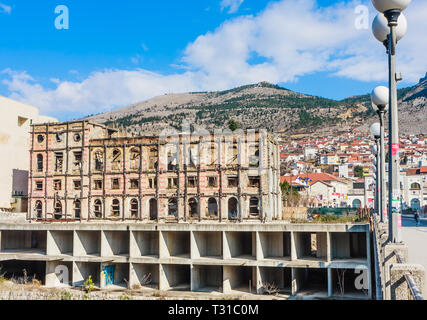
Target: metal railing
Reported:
[(413, 288)]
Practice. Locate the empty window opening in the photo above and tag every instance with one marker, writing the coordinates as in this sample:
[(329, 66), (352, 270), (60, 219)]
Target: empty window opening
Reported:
[(212, 207), (58, 210), (77, 160), (39, 209), (134, 158), (40, 138), (134, 208), (97, 208), (172, 183), (77, 137), (117, 161), (39, 163), (173, 207), (99, 160), (153, 209), (191, 182), (152, 183), (172, 160), (115, 208), (115, 183), (254, 182), (254, 156), (254, 206), (233, 210), (212, 182), (57, 185), (134, 184), (39, 185), (233, 182), (77, 184), (193, 206), (58, 137), (59, 161), (97, 184), (77, 209), (152, 161)]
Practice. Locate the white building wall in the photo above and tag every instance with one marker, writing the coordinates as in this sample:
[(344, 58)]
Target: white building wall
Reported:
[(15, 120)]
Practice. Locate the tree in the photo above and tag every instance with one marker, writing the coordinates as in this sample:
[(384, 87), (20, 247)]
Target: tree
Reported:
[(290, 196), (358, 171), (233, 125)]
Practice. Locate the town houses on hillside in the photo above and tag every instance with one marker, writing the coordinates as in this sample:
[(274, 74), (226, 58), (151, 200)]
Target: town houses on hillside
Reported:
[(338, 171)]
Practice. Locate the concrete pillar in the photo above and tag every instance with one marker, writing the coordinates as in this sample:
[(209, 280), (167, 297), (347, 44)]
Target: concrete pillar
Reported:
[(399, 289), (194, 278), (330, 283), (194, 250), (328, 247), (133, 277), (294, 281), (225, 247), (389, 259), (104, 245), (50, 244), (259, 280), (133, 246), (163, 281), (163, 248), (259, 252), (293, 246), (227, 273), (1, 248)]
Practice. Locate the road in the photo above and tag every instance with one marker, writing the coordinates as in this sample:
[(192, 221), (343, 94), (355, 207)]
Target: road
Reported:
[(416, 239)]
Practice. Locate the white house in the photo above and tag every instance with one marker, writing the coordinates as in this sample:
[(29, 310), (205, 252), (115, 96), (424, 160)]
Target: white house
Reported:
[(15, 120)]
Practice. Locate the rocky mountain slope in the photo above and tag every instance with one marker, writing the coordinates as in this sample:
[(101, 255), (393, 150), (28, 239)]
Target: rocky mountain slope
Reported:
[(263, 105)]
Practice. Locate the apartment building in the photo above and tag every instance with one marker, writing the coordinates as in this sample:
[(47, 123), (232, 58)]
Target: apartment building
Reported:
[(82, 171)]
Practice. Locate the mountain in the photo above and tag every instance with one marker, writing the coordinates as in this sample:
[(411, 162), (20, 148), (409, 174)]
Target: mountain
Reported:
[(412, 108), (261, 105)]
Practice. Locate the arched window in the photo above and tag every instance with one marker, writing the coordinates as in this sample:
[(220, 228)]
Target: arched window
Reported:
[(39, 163), (357, 203), (97, 208), (193, 207), (415, 204), (58, 210), (99, 160), (212, 207), (134, 158), (115, 208), (117, 160), (39, 209), (77, 208), (152, 160), (233, 208), (153, 209), (415, 186), (134, 208), (254, 206), (173, 207)]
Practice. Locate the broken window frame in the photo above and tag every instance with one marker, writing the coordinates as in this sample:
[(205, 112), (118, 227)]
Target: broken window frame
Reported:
[(59, 162), (77, 184), (134, 184), (97, 184), (254, 181), (57, 185), (254, 209), (78, 158), (230, 182), (115, 183), (77, 205), (116, 161), (134, 157), (40, 163), (134, 208), (115, 208), (97, 208), (215, 182), (172, 183), (99, 160), (39, 185), (191, 182)]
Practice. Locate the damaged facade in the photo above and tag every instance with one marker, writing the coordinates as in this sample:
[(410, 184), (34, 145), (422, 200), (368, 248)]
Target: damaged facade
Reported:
[(86, 171)]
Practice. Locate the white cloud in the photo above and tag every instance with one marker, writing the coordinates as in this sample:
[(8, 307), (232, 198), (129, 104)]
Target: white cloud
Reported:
[(5, 8), (232, 5), (290, 39)]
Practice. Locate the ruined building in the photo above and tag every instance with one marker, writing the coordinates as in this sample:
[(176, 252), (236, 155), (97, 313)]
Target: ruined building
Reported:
[(86, 171)]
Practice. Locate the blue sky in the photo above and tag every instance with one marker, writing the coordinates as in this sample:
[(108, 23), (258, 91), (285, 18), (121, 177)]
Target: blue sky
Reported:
[(117, 53)]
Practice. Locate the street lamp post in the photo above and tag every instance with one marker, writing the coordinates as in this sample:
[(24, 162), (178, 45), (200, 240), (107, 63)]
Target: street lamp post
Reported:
[(380, 100), (376, 150), (392, 23)]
